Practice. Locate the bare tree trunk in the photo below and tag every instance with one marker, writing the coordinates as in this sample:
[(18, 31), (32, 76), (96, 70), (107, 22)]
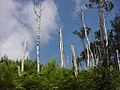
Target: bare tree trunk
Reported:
[(61, 51), (38, 36), (118, 59), (106, 45), (19, 71), (83, 22), (74, 61), (23, 58), (103, 34), (106, 37), (88, 57), (101, 23)]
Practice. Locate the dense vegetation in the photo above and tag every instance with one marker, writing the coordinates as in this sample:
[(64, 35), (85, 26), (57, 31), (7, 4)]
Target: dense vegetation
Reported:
[(52, 77)]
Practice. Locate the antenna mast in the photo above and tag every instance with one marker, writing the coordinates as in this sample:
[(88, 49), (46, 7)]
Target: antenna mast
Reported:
[(38, 14)]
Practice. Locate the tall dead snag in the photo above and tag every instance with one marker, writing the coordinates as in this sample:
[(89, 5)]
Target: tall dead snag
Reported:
[(74, 61), (61, 51), (106, 37), (106, 44), (83, 22), (38, 14), (88, 56), (118, 59), (23, 57)]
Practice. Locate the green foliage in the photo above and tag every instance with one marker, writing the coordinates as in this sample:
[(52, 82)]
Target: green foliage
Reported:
[(52, 77), (106, 4)]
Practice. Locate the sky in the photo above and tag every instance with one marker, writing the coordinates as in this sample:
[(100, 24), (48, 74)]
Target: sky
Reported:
[(18, 22)]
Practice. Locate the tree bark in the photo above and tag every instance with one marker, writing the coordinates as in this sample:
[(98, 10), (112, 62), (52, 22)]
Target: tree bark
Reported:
[(61, 51), (83, 22), (74, 61)]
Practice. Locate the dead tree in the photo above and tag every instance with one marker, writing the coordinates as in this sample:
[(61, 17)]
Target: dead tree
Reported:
[(19, 74), (104, 23), (74, 61), (23, 57), (38, 14), (83, 22), (61, 51), (118, 59), (88, 56)]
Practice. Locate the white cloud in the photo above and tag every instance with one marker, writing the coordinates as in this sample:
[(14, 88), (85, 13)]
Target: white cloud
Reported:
[(80, 4), (17, 22), (50, 19)]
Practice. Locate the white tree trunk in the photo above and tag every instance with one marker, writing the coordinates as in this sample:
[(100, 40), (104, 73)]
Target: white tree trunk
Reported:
[(118, 59), (61, 51), (88, 56), (19, 71), (83, 22), (38, 36), (74, 61), (23, 58), (104, 23)]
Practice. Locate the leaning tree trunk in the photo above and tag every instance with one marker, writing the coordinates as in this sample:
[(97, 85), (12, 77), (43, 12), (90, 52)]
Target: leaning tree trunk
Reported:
[(83, 22), (74, 61)]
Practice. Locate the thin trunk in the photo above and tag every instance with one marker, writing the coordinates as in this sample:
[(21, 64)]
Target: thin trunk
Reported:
[(118, 59), (23, 58), (83, 22), (38, 36), (106, 37), (74, 61), (102, 34), (19, 71), (101, 24), (88, 57), (61, 51), (38, 44)]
